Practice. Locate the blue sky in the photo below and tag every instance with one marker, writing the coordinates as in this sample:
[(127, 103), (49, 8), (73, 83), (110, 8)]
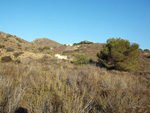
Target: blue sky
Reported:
[(70, 21)]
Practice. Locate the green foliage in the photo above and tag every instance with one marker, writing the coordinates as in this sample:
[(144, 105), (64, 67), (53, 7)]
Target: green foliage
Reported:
[(81, 59), (2, 46), (46, 47), (6, 59), (44, 59), (83, 42), (50, 53), (75, 44), (119, 54), (146, 50), (17, 61)]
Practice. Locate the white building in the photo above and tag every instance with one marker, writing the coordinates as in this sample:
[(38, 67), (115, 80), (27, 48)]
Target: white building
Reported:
[(69, 44), (61, 56)]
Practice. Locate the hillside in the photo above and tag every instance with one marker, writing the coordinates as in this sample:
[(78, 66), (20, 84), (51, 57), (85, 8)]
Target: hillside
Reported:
[(89, 50), (13, 41), (42, 42), (144, 61), (33, 79), (44, 46)]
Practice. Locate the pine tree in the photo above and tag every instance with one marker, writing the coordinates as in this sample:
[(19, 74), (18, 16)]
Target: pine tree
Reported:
[(119, 54)]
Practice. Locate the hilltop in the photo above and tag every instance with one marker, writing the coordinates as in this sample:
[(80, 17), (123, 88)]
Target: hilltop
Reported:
[(13, 41), (42, 42)]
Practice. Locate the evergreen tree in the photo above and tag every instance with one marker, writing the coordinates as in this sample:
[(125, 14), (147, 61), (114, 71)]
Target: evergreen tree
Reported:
[(119, 54)]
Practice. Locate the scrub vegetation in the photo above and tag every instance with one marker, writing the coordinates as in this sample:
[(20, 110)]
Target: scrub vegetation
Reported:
[(48, 89), (95, 78)]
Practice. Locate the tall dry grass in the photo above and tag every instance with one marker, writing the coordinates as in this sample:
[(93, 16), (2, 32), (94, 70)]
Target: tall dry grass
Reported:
[(87, 89)]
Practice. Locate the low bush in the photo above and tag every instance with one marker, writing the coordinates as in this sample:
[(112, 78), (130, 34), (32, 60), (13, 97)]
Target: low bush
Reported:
[(146, 50), (46, 47), (17, 61), (9, 49), (2, 46), (81, 59), (16, 54), (83, 42), (50, 53), (6, 59)]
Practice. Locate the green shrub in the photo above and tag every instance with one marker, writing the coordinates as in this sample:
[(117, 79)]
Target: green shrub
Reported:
[(146, 50), (75, 44), (119, 54), (82, 42), (50, 53), (148, 56), (9, 49), (81, 59), (6, 59), (46, 47), (2, 46), (17, 61)]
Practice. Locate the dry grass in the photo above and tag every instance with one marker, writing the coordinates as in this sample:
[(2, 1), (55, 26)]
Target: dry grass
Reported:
[(87, 89)]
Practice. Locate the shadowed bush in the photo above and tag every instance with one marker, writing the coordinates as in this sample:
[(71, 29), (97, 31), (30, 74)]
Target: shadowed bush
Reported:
[(9, 49), (6, 59), (2, 46), (83, 42), (16, 54), (146, 50), (21, 110)]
